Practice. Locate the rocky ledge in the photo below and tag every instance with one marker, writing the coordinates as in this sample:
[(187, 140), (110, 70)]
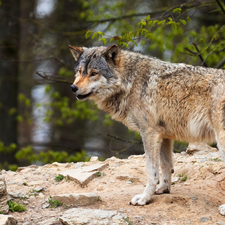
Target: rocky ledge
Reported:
[(99, 192)]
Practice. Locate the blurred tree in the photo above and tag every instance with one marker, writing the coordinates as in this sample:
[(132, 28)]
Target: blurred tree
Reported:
[(9, 68), (178, 31)]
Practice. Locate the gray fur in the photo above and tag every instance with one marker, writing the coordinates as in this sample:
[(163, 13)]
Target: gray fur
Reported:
[(162, 101)]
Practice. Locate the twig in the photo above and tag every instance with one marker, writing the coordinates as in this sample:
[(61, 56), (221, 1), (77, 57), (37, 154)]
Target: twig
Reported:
[(199, 54), (123, 140), (187, 49), (220, 64), (220, 5), (50, 78)]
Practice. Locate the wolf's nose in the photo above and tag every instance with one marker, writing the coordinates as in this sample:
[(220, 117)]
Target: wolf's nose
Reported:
[(74, 88)]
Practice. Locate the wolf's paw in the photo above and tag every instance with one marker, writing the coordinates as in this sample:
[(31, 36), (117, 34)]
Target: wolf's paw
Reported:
[(160, 189), (222, 210), (140, 200)]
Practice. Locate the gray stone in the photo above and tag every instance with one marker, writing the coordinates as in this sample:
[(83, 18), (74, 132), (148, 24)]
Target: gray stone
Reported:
[(16, 195), (11, 182), (94, 159), (222, 210), (84, 174), (7, 220), (81, 199), (4, 196), (205, 219), (45, 206), (220, 223), (199, 146), (26, 223), (50, 221), (193, 198), (92, 217), (79, 165)]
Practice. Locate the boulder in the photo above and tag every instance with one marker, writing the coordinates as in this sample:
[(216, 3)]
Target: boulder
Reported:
[(84, 174), (82, 199), (4, 196), (81, 216), (7, 220)]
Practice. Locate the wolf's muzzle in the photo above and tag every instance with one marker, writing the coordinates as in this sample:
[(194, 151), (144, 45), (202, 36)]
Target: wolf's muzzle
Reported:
[(74, 88)]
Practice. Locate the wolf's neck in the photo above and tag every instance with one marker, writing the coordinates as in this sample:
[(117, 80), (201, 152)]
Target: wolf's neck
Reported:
[(116, 104)]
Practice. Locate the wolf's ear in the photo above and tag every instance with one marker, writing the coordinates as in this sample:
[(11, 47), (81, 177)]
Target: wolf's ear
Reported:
[(112, 53), (76, 51)]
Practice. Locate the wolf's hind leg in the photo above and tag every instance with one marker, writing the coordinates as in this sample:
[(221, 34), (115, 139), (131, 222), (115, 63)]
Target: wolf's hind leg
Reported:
[(152, 142), (221, 143), (166, 163)]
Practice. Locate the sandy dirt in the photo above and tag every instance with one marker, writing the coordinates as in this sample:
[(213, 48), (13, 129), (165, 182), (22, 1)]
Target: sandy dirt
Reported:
[(194, 201)]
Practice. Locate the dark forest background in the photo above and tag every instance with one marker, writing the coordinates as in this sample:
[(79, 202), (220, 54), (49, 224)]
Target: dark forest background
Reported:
[(40, 119)]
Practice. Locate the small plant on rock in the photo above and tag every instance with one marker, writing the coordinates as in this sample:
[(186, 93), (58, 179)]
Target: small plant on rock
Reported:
[(127, 220), (99, 173), (184, 178), (59, 178), (54, 204), (16, 207)]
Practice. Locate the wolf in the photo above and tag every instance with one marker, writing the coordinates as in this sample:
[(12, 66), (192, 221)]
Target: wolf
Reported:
[(162, 101)]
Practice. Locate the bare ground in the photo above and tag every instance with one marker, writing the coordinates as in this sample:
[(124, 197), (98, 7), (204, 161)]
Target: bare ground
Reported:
[(193, 201)]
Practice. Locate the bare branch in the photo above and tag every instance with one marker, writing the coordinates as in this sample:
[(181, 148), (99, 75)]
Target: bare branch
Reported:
[(51, 78), (199, 54), (124, 140), (220, 64), (220, 5)]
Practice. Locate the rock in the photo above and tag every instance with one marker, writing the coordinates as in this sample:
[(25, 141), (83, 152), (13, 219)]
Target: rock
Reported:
[(199, 146), (79, 165), (92, 217), (84, 174), (7, 220), (51, 221), (81, 199), (4, 197), (193, 198), (220, 223), (20, 169), (175, 179), (205, 219), (136, 156), (26, 223), (94, 159), (128, 182), (222, 210), (127, 177), (45, 206)]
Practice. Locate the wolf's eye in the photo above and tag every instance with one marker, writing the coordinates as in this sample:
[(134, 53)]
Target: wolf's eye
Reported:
[(93, 74)]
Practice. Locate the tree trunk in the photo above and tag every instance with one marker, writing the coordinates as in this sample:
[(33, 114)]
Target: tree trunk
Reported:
[(9, 42)]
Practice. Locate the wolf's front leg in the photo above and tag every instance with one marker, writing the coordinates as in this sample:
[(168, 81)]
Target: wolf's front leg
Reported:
[(152, 140)]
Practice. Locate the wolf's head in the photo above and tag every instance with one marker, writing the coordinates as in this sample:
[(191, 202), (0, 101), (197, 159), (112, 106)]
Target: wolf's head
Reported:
[(97, 71)]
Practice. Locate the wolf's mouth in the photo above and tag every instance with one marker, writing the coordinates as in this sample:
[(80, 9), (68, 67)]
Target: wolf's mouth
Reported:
[(83, 97)]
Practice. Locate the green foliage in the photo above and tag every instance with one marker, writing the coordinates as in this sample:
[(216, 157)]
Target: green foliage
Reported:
[(54, 204), (33, 192), (50, 156), (15, 207), (99, 173), (127, 220), (217, 160), (11, 148), (59, 178), (13, 167), (184, 178), (61, 111)]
